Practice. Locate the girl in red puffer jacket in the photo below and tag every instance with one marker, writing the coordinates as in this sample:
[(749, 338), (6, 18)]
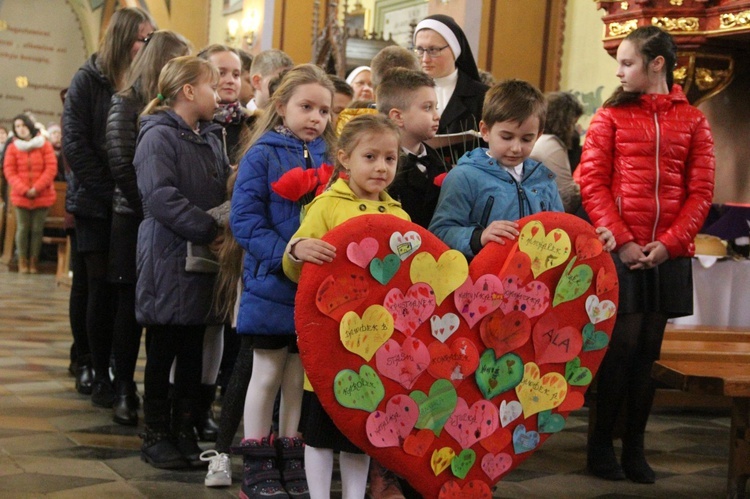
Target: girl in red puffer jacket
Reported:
[(647, 173), (30, 166)]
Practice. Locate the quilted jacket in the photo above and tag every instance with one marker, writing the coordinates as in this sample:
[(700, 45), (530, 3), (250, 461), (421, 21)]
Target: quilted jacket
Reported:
[(30, 164), (647, 171), (122, 132)]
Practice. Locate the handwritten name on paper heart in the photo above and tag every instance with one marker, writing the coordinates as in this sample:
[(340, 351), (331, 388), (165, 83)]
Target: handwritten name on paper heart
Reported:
[(550, 423), (435, 408), (444, 275), (523, 440), (384, 270), (532, 299), (361, 253), (593, 339), (456, 362), (443, 327), (577, 375), (402, 363), (573, 283), (496, 464), (474, 300), (546, 251), (554, 344), (390, 428), (495, 376), (338, 295), (362, 390), (538, 393), (504, 333), (412, 309), (468, 425), (365, 335), (405, 245), (599, 311), (509, 412)]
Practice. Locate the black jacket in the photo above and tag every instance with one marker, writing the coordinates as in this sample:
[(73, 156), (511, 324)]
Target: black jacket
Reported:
[(84, 144), (463, 112), (122, 132), (416, 190)]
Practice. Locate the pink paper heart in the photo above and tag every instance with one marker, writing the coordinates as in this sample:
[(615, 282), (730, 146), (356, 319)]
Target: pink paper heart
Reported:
[(532, 299), (468, 425), (555, 344), (410, 310), (496, 464), (390, 428), (403, 363), (475, 300), (361, 253)]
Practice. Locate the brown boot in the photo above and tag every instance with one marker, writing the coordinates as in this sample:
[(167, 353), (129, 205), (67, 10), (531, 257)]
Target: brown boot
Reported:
[(33, 265), (23, 266), (383, 483)]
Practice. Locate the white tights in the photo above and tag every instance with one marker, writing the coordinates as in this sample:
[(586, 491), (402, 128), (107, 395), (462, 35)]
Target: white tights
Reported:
[(319, 469), (273, 369)]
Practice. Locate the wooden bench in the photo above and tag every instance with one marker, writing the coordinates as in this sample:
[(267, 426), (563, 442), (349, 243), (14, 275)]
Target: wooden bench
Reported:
[(714, 361)]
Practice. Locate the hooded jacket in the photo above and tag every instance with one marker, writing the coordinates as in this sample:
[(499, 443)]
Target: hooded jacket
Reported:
[(181, 175), (263, 222), (27, 164), (478, 191), (647, 171)]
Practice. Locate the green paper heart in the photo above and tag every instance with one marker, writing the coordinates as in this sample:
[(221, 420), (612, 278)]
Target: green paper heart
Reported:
[(437, 407), (573, 283), (384, 270), (463, 462), (359, 391), (495, 376), (592, 339), (550, 423), (576, 375)]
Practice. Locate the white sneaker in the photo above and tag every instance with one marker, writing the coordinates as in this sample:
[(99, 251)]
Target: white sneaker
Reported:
[(219, 469)]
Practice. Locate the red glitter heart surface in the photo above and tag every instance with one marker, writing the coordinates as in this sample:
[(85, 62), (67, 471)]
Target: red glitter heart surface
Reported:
[(508, 370)]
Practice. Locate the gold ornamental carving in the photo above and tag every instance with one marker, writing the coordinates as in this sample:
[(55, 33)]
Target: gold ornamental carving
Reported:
[(622, 29), (624, 5), (680, 74), (740, 19), (708, 79), (675, 2), (679, 24)]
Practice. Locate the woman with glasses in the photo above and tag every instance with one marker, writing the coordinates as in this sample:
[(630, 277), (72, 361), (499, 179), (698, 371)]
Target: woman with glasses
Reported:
[(444, 53)]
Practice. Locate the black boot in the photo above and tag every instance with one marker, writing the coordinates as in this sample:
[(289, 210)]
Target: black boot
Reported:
[(158, 448), (183, 425), (261, 477), (102, 392), (601, 460), (291, 461), (634, 460), (125, 407), (84, 379), (207, 428)]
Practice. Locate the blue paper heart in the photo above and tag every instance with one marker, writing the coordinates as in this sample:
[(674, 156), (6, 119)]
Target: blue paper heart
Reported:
[(524, 441)]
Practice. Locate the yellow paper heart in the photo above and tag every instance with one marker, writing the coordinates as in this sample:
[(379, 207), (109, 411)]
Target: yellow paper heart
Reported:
[(441, 459), (538, 394), (365, 335), (546, 251), (444, 276)]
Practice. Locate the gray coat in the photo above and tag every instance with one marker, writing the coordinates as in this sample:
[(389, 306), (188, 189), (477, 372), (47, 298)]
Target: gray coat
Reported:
[(180, 176)]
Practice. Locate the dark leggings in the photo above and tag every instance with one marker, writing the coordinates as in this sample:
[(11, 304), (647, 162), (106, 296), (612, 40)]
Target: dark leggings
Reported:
[(127, 333), (99, 312), (625, 373), (233, 405), (164, 344), (80, 351)]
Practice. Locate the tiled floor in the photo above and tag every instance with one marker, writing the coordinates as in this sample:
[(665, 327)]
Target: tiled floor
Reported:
[(53, 443)]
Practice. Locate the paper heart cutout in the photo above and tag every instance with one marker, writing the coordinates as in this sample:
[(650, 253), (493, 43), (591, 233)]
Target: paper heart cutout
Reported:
[(436, 407), (474, 300), (475, 489), (495, 376), (599, 311), (361, 253), (468, 425), (588, 247), (441, 459), (509, 412), (550, 423), (593, 339), (338, 295), (444, 275), (365, 335), (392, 427), (538, 393), (577, 375), (531, 299), (384, 270), (456, 362), (324, 355), (523, 440), (402, 363), (573, 283), (443, 327), (546, 250), (504, 333), (410, 310), (463, 462), (496, 464), (605, 281), (405, 245), (553, 343), (362, 390)]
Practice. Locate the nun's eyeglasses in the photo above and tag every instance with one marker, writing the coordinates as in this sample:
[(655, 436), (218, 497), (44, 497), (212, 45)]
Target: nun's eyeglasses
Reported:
[(430, 51)]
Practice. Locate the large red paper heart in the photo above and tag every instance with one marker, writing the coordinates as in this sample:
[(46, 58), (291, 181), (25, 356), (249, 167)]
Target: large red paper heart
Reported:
[(493, 450)]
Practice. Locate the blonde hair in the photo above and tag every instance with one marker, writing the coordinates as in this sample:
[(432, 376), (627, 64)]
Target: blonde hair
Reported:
[(302, 74), (180, 71), (353, 133), (113, 57)]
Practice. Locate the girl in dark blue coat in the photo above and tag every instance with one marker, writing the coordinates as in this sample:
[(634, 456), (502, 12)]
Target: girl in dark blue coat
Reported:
[(295, 131), (181, 171)]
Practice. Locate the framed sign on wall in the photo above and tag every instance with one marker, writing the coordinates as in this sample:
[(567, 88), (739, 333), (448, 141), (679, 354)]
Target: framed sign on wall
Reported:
[(393, 18)]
